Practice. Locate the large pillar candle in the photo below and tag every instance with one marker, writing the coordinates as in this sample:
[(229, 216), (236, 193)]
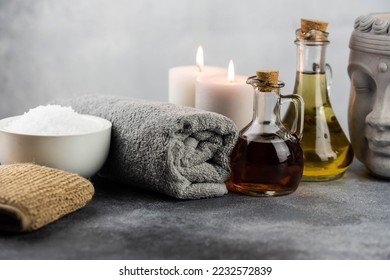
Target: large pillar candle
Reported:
[(182, 80), (228, 95)]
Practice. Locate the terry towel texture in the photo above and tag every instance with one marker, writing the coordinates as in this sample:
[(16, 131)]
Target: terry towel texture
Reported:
[(179, 151), (32, 196)]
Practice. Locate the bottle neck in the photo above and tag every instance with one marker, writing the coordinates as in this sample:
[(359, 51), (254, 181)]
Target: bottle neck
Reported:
[(265, 107), (311, 79), (311, 56)]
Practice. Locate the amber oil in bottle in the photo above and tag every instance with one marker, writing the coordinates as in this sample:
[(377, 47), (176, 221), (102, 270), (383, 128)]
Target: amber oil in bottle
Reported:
[(267, 159)]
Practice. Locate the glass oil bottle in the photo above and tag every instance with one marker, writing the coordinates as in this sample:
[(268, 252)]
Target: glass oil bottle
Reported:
[(267, 159), (327, 151)]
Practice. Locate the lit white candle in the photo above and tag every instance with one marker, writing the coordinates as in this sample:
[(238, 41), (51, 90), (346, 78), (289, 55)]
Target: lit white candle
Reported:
[(182, 80), (228, 95)]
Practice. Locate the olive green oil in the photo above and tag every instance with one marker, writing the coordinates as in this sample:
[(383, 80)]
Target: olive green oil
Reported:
[(326, 150)]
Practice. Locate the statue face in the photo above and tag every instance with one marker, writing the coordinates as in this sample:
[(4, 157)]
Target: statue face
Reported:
[(369, 110)]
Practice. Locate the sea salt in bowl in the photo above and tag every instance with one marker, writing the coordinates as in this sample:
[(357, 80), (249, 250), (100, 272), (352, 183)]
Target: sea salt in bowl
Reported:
[(58, 138)]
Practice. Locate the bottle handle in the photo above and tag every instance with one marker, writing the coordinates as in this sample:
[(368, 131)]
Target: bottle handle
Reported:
[(329, 76), (297, 127)]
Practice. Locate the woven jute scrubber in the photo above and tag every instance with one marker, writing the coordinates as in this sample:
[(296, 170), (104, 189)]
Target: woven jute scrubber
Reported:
[(31, 196)]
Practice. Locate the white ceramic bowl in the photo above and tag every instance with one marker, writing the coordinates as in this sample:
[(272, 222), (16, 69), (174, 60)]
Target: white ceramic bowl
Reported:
[(83, 154)]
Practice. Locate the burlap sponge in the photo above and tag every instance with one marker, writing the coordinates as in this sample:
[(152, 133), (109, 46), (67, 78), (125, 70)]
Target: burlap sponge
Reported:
[(31, 196)]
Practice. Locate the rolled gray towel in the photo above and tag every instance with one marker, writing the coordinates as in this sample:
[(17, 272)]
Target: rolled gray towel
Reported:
[(179, 151)]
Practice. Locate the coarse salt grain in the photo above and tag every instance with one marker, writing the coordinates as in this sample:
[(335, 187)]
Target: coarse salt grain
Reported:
[(52, 120)]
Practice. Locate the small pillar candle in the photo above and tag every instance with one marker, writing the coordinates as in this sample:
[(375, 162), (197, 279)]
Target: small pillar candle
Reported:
[(228, 95), (182, 80)]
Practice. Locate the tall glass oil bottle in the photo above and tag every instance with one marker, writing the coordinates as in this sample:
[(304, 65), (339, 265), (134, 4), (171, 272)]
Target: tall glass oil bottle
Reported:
[(327, 151), (267, 159)]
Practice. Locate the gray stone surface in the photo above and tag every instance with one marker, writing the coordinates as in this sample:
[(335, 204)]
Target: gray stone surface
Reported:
[(344, 219)]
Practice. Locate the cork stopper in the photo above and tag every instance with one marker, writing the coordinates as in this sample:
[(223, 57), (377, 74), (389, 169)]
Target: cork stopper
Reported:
[(267, 77), (311, 24)]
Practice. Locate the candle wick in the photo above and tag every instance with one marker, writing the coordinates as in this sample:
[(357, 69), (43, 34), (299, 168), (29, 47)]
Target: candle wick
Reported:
[(230, 75), (199, 67)]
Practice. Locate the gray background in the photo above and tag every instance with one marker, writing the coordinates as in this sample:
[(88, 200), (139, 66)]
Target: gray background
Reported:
[(61, 48)]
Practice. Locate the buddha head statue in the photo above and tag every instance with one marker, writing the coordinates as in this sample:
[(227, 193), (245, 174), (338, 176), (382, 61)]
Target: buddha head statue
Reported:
[(369, 104)]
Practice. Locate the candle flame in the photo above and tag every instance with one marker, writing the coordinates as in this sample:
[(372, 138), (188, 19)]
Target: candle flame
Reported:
[(231, 71), (200, 59)]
